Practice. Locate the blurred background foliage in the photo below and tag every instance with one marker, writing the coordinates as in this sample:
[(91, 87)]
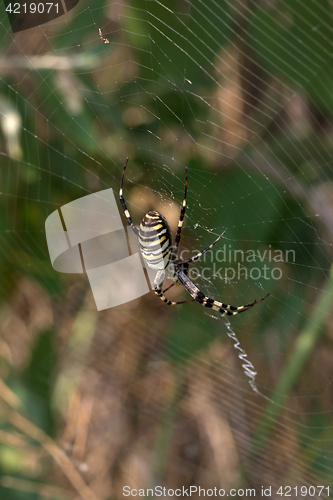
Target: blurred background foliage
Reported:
[(142, 394)]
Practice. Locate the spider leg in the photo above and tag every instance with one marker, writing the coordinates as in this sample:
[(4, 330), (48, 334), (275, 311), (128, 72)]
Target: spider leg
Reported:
[(123, 204), (191, 259), (158, 284), (181, 217), (224, 309), (168, 288)]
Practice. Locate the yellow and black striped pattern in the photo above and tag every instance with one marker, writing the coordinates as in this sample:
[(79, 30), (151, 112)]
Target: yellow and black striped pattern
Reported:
[(155, 240), (123, 203), (182, 215), (225, 309)]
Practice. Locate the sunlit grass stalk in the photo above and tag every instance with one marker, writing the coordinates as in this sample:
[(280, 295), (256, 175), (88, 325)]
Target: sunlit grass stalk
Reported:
[(52, 448)]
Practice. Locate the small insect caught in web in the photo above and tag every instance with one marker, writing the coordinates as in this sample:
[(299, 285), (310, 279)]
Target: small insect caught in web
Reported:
[(104, 40)]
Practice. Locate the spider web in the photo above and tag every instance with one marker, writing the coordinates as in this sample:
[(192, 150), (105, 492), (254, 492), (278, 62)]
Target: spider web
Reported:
[(240, 93)]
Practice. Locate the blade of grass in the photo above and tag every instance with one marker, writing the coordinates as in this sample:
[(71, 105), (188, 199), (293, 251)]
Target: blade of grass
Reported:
[(47, 490), (52, 448), (302, 350)]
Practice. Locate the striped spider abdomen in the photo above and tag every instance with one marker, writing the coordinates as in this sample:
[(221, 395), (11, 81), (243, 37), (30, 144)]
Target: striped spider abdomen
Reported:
[(155, 240)]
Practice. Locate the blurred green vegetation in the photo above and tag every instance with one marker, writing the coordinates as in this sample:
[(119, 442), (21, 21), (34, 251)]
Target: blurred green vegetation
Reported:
[(73, 138)]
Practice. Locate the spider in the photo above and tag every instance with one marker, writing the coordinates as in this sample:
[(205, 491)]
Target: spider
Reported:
[(155, 243)]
